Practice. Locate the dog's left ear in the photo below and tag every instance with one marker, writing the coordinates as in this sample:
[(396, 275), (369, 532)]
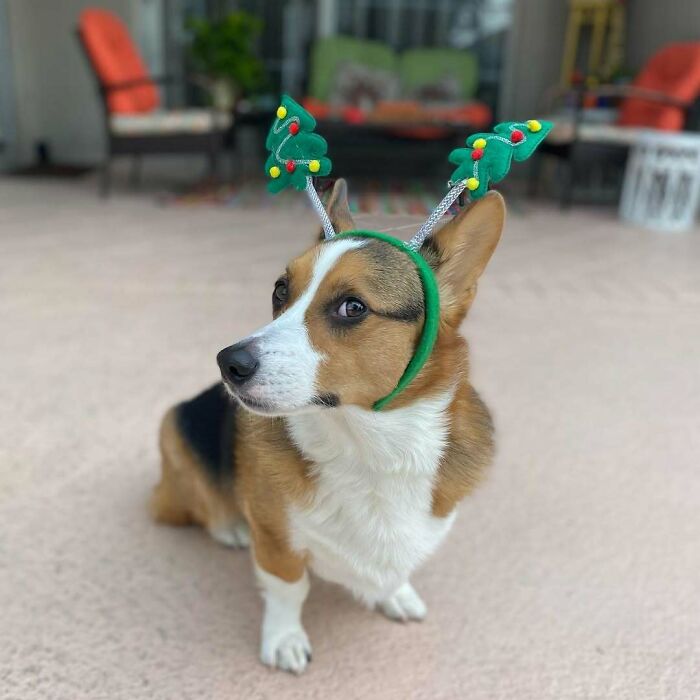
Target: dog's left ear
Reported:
[(338, 209), (460, 251)]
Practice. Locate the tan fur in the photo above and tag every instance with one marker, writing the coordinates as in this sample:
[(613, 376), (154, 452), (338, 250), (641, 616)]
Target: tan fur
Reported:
[(184, 495), (338, 210), (460, 251), (362, 365), (468, 453), (354, 370), (271, 474)]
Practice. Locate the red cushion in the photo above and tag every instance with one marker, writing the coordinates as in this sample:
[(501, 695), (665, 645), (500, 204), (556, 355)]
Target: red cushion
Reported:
[(116, 59), (675, 71)]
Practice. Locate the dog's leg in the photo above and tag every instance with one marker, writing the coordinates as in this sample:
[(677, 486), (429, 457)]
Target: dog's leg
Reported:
[(284, 642), (167, 504), (172, 499), (186, 496), (405, 604), (284, 584)]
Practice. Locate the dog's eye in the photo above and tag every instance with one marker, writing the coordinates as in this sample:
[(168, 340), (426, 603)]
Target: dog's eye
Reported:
[(281, 291), (351, 308)]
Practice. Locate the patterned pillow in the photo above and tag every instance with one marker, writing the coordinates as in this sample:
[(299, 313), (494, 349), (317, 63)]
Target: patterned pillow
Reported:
[(446, 90), (362, 86)]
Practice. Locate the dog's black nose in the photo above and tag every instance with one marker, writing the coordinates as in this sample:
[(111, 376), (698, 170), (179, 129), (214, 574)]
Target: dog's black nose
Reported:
[(237, 364)]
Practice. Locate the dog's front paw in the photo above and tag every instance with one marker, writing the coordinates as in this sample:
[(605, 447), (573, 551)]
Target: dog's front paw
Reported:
[(289, 651), (233, 534), (404, 605)]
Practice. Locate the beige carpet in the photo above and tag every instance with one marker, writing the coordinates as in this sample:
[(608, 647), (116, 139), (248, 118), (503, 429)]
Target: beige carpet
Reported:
[(574, 572)]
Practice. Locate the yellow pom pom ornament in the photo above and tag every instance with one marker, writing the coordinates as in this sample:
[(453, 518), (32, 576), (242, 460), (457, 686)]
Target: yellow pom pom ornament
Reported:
[(281, 112), (275, 171), (533, 125), (481, 144), (314, 166), (472, 184)]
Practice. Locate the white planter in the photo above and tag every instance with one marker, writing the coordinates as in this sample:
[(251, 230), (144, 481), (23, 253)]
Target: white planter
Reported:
[(223, 94), (662, 181)]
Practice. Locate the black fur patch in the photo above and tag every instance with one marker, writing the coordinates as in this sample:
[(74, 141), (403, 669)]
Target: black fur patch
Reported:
[(328, 400), (208, 424), (409, 313)]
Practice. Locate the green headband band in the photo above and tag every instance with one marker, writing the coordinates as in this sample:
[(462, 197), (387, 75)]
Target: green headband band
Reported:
[(431, 324)]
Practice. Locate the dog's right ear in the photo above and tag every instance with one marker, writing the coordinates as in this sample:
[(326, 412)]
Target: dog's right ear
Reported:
[(459, 252), (338, 209)]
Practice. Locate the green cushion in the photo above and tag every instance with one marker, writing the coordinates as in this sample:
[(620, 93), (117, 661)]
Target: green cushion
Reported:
[(420, 67), (329, 53)]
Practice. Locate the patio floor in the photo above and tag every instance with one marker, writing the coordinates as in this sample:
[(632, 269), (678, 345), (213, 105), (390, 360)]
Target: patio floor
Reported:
[(573, 572)]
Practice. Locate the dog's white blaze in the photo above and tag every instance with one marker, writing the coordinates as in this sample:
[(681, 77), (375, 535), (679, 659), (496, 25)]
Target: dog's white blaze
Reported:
[(288, 361), (371, 523)]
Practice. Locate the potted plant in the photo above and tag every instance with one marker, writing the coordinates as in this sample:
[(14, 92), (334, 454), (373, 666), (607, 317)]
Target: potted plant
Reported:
[(223, 51)]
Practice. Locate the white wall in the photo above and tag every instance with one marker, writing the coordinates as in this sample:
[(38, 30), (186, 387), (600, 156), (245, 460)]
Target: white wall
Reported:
[(651, 24), (533, 64), (56, 100)]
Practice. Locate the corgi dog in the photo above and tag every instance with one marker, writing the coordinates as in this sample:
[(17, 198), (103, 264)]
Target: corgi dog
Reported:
[(289, 455)]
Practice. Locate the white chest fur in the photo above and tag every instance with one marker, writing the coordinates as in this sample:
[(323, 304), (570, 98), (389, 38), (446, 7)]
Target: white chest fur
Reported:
[(370, 523)]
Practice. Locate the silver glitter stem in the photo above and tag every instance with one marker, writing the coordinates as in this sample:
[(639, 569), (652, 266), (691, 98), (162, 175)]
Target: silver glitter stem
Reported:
[(320, 209), (427, 228)]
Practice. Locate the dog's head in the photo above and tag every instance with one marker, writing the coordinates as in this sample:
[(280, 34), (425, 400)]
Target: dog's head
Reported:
[(348, 314)]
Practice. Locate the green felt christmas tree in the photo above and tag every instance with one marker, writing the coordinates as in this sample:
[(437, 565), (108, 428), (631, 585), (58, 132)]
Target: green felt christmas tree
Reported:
[(488, 156), (486, 159), (296, 152)]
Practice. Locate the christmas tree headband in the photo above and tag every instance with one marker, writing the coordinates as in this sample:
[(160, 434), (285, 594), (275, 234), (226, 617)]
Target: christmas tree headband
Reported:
[(297, 155)]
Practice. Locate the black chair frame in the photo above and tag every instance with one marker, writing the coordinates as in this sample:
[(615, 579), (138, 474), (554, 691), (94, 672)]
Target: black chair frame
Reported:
[(210, 143)]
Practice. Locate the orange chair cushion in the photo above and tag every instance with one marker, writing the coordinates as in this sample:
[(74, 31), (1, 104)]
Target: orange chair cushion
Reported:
[(116, 59), (675, 71)]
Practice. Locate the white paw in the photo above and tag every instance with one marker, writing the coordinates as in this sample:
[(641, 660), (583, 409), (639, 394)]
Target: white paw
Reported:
[(235, 534), (289, 652), (404, 605)]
